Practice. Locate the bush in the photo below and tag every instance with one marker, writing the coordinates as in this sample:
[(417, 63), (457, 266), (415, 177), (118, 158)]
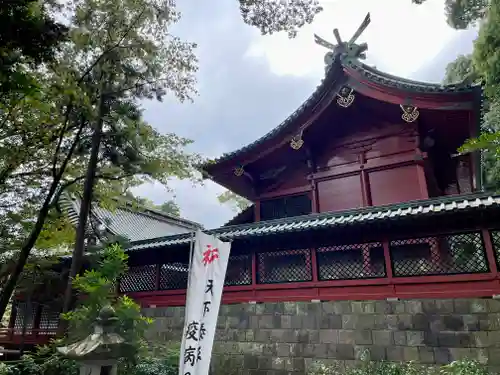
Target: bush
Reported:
[(462, 367)]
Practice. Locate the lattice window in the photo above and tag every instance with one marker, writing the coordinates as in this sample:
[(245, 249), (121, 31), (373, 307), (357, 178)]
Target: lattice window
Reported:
[(49, 320), (239, 270), (361, 261), (174, 276), (495, 240), (281, 207), (284, 266), (453, 254), (139, 279), (25, 315)]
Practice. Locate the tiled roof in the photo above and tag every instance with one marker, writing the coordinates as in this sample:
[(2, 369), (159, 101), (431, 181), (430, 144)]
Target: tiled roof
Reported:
[(335, 219), (134, 224), (390, 80)]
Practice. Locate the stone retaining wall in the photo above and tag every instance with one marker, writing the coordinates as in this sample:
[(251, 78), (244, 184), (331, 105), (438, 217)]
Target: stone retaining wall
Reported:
[(284, 338)]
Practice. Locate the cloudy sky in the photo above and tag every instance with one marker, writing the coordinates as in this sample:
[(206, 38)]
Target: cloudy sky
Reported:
[(249, 83)]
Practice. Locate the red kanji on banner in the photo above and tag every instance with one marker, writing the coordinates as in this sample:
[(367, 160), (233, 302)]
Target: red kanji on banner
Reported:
[(210, 255)]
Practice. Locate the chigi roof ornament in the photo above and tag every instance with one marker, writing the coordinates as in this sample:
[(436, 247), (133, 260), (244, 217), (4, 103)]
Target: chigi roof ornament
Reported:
[(345, 49)]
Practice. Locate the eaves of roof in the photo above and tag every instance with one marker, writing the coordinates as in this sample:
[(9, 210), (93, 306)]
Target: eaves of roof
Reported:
[(334, 219)]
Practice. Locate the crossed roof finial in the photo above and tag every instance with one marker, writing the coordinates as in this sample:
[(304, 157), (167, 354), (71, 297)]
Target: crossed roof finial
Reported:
[(345, 49)]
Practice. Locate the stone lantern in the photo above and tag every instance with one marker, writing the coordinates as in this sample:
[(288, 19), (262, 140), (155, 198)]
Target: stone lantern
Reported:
[(98, 353)]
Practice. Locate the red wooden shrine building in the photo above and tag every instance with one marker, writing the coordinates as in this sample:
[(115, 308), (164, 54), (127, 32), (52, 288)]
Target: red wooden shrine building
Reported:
[(359, 194)]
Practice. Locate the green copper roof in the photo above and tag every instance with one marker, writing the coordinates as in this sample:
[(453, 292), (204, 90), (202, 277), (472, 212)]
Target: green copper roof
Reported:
[(335, 219)]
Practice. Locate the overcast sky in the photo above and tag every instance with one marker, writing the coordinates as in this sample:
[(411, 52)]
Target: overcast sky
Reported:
[(249, 83)]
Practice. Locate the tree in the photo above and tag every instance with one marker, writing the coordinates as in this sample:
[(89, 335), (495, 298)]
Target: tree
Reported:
[(237, 203), (461, 71), (463, 13), (141, 60), (170, 207), (27, 35), (271, 16)]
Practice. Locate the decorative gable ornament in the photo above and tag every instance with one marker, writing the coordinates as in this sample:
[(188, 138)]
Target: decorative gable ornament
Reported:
[(345, 97), (410, 113), (297, 142), (239, 171)]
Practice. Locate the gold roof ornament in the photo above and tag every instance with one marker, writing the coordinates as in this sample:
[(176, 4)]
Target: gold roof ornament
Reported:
[(297, 142), (239, 171), (345, 97), (410, 113)]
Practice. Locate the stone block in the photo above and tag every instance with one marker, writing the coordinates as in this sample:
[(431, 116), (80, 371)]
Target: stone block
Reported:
[(260, 308), (395, 353), (460, 353), (383, 307), (332, 321), (493, 356), (250, 335), (271, 349), (415, 338), (425, 355), (302, 336), (365, 322), (404, 322), (313, 336), (391, 322), (378, 353), (280, 335), (265, 363), (398, 307), (328, 307), (262, 335), (363, 337), (493, 305), (344, 352), (410, 354), (384, 338), (362, 353), (253, 322), (413, 306), (302, 308), (329, 336), (349, 321), (483, 339), (250, 361), (442, 355), (289, 308), (286, 321), (296, 322), (455, 339), (342, 307), (420, 322), (453, 322), (445, 306), (471, 322), (310, 322), (480, 355), (431, 338), (266, 322), (493, 322), (399, 338), (479, 306), (278, 363), (346, 336), (462, 306)]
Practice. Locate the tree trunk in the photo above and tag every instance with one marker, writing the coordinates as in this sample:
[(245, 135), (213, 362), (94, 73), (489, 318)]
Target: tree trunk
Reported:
[(88, 187)]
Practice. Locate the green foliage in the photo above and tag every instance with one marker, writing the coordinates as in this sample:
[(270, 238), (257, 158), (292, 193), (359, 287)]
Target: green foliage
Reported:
[(271, 16), (367, 367), (97, 288), (168, 364), (463, 13), (461, 71), (236, 202)]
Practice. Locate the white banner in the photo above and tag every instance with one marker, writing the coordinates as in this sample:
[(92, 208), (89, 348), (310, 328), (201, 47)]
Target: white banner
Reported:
[(206, 281)]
